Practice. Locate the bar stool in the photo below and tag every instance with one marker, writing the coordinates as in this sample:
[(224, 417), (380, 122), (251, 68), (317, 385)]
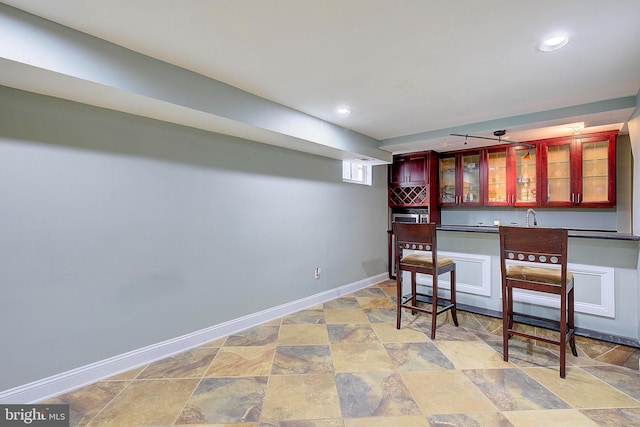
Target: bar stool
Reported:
[(422, 238), (522, 251)]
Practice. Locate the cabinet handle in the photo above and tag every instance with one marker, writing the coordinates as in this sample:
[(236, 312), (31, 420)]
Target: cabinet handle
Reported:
[(572, 197)]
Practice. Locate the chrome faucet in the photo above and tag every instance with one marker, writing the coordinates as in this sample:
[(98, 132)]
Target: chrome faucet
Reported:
[(535, 220)]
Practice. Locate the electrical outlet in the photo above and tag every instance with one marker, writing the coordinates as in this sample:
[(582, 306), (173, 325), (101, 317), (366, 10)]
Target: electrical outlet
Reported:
[(317, 272)]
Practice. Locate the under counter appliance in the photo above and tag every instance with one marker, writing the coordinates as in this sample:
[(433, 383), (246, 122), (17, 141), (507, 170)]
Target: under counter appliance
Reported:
[(410, 217), (415, 217)]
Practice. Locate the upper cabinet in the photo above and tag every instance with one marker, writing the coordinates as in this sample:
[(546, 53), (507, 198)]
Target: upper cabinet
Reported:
[(409, 170), (575, 171), (510, 176), (561, 172), (498, 191), (579, 171), (460, 179)]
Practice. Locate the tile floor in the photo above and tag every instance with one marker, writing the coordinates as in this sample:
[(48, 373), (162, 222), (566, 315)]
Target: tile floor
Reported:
[(344, 364)]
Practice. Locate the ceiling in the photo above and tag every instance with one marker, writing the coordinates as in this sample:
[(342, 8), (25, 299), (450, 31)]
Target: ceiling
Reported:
[(412, 71)]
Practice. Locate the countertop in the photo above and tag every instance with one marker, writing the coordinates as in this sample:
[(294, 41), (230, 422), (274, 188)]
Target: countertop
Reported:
[(587, 234)]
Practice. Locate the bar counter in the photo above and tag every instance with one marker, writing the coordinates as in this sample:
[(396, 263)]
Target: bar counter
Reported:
[(587, 234), (604, 264)]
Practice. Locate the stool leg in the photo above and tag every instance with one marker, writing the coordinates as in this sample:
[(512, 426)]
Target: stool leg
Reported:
[(434, 304), (399, 297), (454, 315), (563, 334), (414, 300), (572, 338), (510, 308), (505, 323)]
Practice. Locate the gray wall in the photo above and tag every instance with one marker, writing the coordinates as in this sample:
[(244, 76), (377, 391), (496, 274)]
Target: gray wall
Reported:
[(117, 232)]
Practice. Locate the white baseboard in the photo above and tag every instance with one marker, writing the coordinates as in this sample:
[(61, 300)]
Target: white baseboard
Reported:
[(55, 385)]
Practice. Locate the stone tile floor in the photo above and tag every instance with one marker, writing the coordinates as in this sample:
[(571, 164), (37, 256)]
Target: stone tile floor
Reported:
[(344, 364)]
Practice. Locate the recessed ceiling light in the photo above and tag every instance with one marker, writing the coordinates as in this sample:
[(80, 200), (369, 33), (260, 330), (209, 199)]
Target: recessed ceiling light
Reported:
[(553, 43), (344, 111)]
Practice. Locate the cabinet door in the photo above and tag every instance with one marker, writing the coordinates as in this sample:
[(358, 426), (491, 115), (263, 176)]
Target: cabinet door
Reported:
[(448, 194), (558, 173), (417, 173), (525, 188), (580, 171), (397, 174), (497, 192), (596, 171), (460, 179), (470, 179), (409, 171)]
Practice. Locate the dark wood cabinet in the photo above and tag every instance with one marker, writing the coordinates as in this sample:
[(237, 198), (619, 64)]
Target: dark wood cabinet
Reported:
[(412, 178), (510, 176), (409, 170), (460, 179), (579, 171), (574, 171)]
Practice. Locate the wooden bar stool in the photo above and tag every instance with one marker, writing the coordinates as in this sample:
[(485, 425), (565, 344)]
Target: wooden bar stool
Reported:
[(535, 259), (422, 237)]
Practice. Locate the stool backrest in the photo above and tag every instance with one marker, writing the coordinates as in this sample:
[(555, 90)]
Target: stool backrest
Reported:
[(534, 245), (416, 237)]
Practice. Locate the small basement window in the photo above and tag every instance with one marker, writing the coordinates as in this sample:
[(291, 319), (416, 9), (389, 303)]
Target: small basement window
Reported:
[(356, 173)]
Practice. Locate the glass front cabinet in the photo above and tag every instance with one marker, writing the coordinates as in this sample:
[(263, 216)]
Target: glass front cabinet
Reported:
[(579, 171), (460, 179), (526, 176), (498, 192), (511, 176)]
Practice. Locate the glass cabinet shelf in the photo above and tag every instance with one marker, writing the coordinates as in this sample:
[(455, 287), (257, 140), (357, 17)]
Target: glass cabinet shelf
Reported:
[(497, 176)]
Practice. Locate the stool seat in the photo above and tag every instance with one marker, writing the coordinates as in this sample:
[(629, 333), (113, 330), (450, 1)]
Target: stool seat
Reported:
[(424, 260), (421, 238), (551, 276)]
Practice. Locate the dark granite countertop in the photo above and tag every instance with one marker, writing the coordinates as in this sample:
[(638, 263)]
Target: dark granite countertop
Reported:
[(587, 234)]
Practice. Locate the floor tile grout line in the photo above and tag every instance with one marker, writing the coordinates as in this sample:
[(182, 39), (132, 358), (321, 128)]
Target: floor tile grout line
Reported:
[(610, 385), (612, 349), (266, 388), (396, 370), (184, 405), (191, 395), (106, 405)]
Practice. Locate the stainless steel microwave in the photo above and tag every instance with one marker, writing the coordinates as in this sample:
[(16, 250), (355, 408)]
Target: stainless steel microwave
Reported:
[(410, 217)]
